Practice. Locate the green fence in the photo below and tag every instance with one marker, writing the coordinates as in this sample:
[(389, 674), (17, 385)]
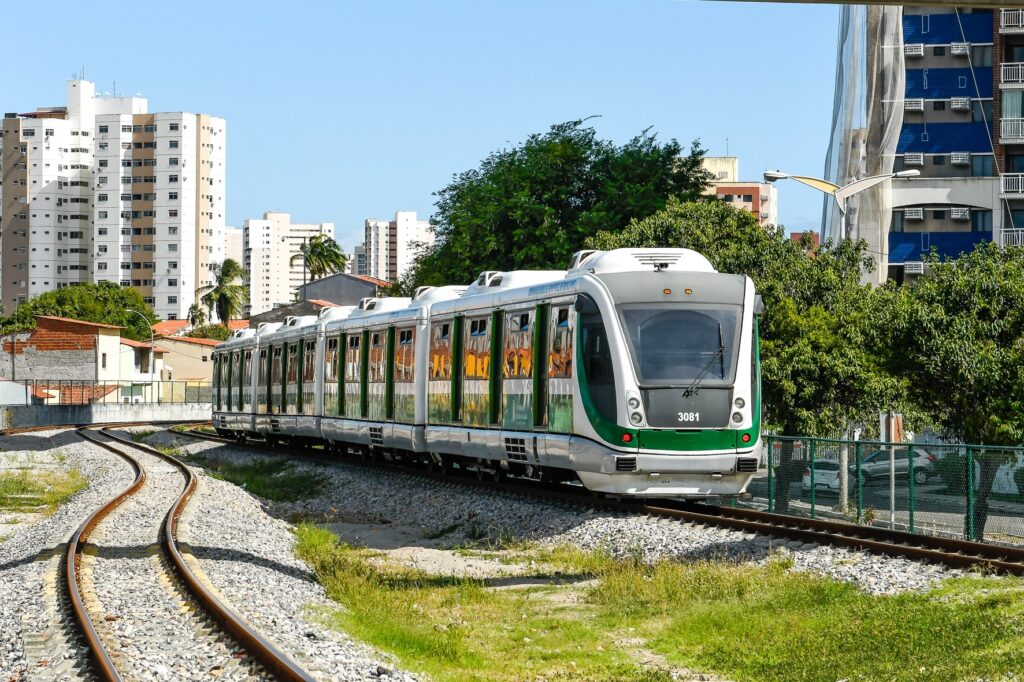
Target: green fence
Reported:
[(971, 491)]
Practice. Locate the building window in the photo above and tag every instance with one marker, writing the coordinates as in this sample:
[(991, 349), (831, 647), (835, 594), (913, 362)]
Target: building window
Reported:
[(151, 128), (939, 50), (101, 197), (897, 222), (173, 126), (172, 265), (126, 129), (173, 213), (939, 160), (981, 166), (748, 198), (172, 196), (172, 282), (939, 215), (103, 360), (173, 144), (172, 300), (103, 129), (172, 178), (172, 230), (981, 221), (939, 105), (172, 247), (173, 161)]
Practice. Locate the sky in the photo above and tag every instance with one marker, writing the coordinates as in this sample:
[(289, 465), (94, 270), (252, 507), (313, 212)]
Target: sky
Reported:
[(339, 111)]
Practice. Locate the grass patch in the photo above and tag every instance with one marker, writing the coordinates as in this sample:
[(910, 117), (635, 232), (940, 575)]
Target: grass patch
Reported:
[(38, 492), (738, 621), (458, 629), (271, 478), (140, 436)]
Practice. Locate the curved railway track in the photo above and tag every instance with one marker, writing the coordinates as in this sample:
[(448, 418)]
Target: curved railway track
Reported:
[(274, 663), (942, 550)]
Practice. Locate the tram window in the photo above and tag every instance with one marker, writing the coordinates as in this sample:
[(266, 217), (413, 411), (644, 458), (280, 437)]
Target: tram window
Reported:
[(445, 330), (518, 351), (309, 362), (597, 364), (405, 357), (560, 354), (441, 352)]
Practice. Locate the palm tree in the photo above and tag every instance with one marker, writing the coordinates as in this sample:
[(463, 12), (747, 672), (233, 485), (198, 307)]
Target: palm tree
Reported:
[(322, 256), (225, 295), (196, 315)]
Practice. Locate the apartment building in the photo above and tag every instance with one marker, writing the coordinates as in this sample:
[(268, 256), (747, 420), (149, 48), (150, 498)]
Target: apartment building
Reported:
[(390, 246), (268, 245), (100, 190), (757, 197)]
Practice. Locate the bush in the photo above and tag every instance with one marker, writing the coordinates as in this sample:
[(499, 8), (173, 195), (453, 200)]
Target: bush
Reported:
[(220, 332), (952, 469)]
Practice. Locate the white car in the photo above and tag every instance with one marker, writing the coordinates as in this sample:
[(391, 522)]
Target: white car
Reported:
[(826, 476)]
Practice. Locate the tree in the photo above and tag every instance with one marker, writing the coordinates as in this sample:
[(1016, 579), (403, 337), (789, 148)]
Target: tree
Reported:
[(957, 335), (106, 303), (532, 206), (219, 332), (225, 296), (322, 255), (196, 315), (821, 366)]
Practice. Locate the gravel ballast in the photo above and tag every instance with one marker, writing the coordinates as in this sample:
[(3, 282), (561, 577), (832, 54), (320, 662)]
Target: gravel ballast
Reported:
[(29, 607), (361, 495)]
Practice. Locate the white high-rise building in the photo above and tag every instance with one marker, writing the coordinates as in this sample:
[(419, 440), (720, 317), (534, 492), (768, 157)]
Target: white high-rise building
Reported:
[(269, 244), (390, 246), (100, 190)]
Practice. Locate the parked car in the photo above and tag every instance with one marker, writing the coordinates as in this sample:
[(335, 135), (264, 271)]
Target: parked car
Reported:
[(875, 466), (826, 476)]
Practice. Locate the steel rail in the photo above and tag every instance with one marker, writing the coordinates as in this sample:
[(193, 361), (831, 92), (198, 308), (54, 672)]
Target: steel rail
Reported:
[(272, 659), (948, 551)]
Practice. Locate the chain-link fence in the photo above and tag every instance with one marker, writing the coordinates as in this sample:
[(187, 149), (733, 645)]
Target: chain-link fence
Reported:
[(83, 392), (972, 491)]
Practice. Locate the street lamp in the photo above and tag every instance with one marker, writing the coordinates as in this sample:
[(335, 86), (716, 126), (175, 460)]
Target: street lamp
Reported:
[(153, 346), (840, 194)]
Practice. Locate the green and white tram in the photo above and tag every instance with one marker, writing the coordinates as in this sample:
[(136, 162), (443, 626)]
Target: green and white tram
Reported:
[(635, 371)]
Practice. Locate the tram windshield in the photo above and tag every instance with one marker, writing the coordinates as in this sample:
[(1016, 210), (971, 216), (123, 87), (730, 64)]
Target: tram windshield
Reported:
[(671, 345)]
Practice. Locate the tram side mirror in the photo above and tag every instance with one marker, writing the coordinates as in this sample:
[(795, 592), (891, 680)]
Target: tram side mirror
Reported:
[(586, 305), (758, 305)]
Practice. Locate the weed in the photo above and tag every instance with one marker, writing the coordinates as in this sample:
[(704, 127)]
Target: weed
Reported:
[(271, 478), (42, 492), (140, 436), (441, 532)]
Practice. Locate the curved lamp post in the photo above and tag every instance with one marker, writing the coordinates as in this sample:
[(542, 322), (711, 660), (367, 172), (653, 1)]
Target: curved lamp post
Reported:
[(840, 194)]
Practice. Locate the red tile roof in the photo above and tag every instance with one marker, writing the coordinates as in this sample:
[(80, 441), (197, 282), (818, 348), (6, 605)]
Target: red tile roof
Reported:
[(140, 344), (82, 322), (170, 327), (189, 339), (235, 325), (322, 303), (372, 280)]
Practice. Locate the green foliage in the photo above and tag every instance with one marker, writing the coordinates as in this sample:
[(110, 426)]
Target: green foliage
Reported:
[(105, 303), (820, 362), (957, 335), (532, 206), (196, 315), (38, 491), (225, 296), (220, 332), (323, 256), (952, 469)]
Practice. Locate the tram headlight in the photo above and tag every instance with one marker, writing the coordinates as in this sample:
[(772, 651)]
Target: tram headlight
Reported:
[(740, 403), (737, 417), (634, 403), (635, 418)]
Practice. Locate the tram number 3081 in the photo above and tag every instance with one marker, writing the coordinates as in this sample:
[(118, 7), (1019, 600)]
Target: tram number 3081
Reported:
[(687, 417)]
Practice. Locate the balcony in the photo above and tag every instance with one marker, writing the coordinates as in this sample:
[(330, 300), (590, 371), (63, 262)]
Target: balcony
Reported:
[(960, 103), (1011, 238), (1012, 75), (961, 213), (916, 50), (960, 49), (1012, 184), (960, 158), (913, 104), (913, 159), (1011, 21), (913, 214), (1011, 130)]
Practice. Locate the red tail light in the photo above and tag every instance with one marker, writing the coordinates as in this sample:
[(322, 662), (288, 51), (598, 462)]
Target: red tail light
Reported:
[(931, 458)]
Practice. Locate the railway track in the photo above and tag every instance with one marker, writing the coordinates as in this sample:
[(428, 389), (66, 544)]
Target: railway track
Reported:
[(941, 550), (195, 614)]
